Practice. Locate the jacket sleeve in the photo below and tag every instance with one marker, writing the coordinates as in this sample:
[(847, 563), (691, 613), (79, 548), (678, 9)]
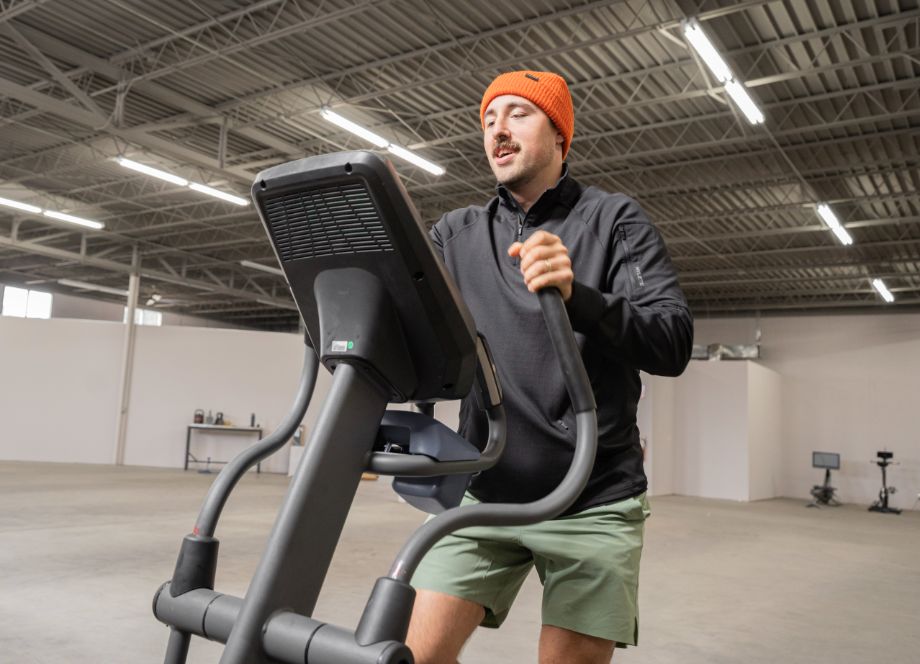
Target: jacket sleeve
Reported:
[(641, 317)]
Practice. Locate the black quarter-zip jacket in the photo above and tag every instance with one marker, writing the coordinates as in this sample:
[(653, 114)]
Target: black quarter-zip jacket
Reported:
[(628, 313)]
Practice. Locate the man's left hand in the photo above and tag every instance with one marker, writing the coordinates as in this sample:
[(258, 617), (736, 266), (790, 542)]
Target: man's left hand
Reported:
[(544, 262)]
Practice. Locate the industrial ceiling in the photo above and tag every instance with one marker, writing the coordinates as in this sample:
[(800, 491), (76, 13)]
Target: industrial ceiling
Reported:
[(216, 90)]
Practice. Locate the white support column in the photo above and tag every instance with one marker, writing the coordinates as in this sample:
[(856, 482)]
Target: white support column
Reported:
[(127, 363)]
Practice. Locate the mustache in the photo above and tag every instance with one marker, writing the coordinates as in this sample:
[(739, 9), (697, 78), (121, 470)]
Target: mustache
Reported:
[(505, 145)]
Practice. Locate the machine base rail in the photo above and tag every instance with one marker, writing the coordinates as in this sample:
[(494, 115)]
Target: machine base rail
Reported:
[(287, 636)]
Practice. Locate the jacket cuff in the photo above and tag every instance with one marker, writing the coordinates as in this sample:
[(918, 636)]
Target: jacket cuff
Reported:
[(586, 307)]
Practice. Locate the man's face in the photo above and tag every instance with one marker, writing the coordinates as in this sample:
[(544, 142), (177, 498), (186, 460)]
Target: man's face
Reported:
[(519, 139)]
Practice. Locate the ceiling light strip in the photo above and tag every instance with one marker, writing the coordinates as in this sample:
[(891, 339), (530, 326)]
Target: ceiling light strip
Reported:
[(182, 182), (829, 218), (380, 142), (263, 268), (882, 289), (708, 53), (60, 216)]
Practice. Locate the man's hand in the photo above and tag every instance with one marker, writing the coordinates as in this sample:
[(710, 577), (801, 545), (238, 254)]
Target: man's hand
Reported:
[(544, 262)]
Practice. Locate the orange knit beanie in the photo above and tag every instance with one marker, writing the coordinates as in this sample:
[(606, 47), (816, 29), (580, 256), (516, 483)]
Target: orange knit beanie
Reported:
[(545, 89)]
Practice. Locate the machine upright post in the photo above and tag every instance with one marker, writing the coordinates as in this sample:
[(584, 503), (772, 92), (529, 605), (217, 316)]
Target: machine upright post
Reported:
[(309, 523)]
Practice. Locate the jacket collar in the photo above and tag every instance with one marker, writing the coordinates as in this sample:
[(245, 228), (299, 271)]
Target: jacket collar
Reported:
[(565, 192)]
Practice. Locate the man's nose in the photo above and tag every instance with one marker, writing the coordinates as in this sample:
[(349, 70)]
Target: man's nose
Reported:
[(500, 131)]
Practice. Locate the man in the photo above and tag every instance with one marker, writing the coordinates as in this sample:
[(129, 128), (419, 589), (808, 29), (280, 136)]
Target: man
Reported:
[(546, 230)]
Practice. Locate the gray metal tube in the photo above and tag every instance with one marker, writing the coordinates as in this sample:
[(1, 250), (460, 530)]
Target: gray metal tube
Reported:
[(203, 612), (234, 471), (568, 490), (296, 639), (505, 514)]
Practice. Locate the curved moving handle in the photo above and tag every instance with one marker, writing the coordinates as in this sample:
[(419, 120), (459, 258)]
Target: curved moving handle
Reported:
[(571, 486), (490, 395), (197, 563)]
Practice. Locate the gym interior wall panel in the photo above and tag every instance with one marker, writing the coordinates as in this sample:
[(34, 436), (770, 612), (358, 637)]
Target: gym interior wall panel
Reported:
[(180, 369), (59, 389), (850, 384), (711, 431), (764, 434), (656, 426)]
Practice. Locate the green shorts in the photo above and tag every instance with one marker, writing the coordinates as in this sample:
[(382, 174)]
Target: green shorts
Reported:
[(588, 564)]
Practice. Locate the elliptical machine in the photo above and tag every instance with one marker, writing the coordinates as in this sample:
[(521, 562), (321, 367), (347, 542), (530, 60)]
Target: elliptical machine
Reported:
[(382, 314), (881, 505)]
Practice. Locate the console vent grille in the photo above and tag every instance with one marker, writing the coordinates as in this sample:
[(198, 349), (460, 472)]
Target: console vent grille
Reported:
[(329, 221)]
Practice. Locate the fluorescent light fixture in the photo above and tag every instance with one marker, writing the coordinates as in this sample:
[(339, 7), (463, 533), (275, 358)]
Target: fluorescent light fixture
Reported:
[(740, 94), (355, 129), (69, 218), (882, 289), (153, 172), (85, 285), (723, 73), (413, 158), (264, 268), (217, 193), (381, 142), (701, 44), (834, 224), (25, 207)]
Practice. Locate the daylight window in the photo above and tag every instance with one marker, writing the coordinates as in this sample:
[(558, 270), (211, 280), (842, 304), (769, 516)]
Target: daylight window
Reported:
[(145, 317), (24, 303)]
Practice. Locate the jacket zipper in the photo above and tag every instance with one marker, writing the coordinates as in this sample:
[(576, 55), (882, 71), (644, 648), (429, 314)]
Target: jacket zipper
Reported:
[(520, 232)]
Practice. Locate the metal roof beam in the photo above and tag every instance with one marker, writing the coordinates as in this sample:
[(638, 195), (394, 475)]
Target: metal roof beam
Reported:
[(123, 268)]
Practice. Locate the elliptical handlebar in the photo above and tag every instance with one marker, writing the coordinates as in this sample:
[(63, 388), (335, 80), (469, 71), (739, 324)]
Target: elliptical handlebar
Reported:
[(558, 500), (233, 471)]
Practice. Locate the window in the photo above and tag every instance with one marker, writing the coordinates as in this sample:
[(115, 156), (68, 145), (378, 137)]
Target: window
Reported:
[(144, 317), (25, 303)]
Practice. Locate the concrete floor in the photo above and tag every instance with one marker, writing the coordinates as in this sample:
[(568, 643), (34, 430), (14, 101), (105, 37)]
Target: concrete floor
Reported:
[(83, 548)]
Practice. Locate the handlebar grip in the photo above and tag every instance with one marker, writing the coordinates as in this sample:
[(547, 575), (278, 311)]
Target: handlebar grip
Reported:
[(563, 339)]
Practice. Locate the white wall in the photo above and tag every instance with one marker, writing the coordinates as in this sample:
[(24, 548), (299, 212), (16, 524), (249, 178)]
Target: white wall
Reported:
[(711, 427), (59, 383), (850, 384), (179, 369), (60, 378), (655, 419), (765, 436)]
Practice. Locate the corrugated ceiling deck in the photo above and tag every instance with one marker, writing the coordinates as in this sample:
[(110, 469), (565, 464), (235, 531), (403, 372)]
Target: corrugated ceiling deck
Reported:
[(216, 91)]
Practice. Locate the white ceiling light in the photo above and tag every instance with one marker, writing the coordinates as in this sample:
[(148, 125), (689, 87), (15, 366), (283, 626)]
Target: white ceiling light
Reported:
[(413, 158), (84, 285), (740, 94), (69, 218), (834, 224), (25, 207), (153, 172), (381, 142), (882, 289), (264, 268), (217, 193), (182, 182), (60, 216), (694, 34), (707, 51), (355, 129)]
